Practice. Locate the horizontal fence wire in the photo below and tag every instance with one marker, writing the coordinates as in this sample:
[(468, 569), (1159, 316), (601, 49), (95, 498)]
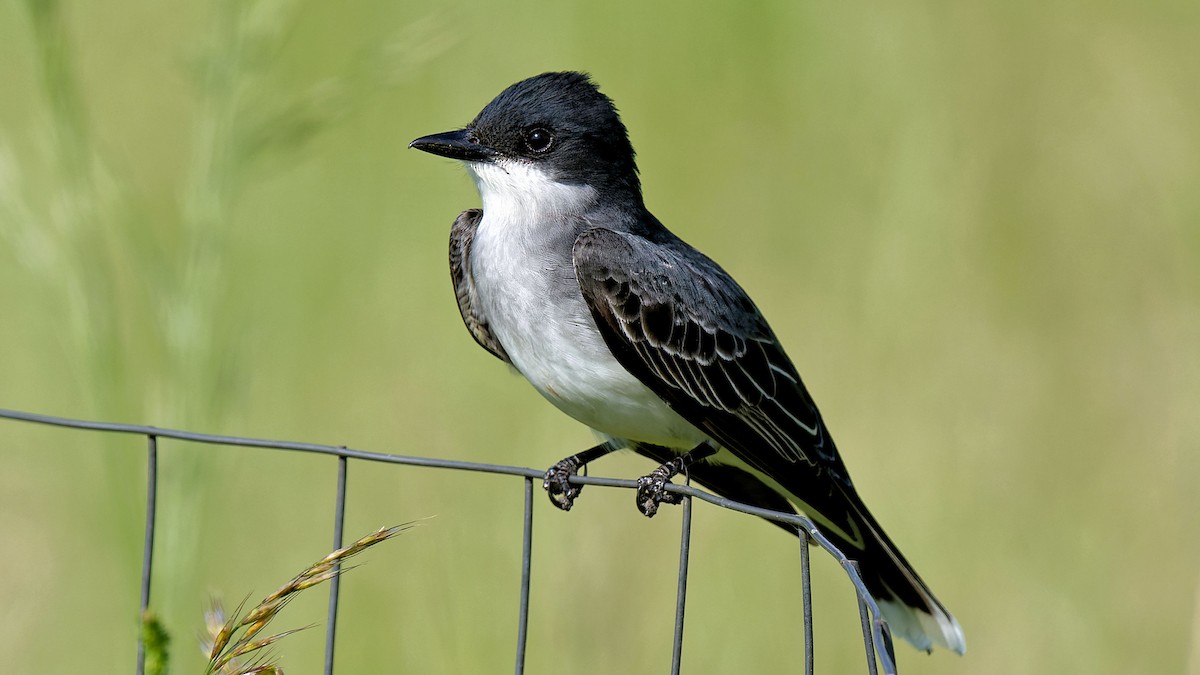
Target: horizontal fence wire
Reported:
[(876, 639)]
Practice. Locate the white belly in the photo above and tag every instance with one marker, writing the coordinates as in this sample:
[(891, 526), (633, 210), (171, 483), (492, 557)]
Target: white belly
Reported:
[(534, 308)]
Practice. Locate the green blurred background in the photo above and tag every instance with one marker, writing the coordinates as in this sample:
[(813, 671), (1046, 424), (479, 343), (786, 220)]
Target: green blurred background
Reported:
[(976, 226)]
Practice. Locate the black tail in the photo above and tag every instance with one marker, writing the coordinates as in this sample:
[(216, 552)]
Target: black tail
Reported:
[(910, 608)]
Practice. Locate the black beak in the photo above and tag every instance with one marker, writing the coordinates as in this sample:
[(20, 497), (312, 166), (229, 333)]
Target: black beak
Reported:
[(455, 145)]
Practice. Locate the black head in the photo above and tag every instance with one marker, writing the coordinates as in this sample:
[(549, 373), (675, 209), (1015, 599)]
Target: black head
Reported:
[(559, 122)]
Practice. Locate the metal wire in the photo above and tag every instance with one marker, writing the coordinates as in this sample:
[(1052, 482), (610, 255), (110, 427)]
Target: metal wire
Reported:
[(865, 619), (806, 599), (148, 543), (685, 547), (876, 640), (526, 558), (335, 584)]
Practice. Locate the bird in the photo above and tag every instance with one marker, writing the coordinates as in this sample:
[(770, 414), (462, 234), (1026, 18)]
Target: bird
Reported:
[(565, 275)]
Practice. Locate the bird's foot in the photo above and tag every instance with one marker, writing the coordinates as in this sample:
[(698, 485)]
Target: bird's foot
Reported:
[(652, 489), (557, 483)]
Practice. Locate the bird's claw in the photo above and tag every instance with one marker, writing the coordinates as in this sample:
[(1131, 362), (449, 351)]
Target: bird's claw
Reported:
[(558, 486), (652, 491)]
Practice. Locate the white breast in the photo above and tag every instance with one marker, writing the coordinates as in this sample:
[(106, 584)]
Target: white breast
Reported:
[(526, 287)]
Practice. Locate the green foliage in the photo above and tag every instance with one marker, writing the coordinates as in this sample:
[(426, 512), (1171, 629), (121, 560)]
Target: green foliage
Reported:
[(974, 226), (156, 643)]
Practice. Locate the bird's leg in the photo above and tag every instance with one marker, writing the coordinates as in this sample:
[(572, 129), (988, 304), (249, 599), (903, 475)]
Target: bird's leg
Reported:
[(557, 482), (652, 489)]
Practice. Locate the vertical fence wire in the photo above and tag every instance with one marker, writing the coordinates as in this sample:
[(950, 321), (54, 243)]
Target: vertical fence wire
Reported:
[(335, 584), (806, 601), (888, 649), (877, 626), (685, 547), (876, 638), (148, 544), (864, 618), (526, 558)]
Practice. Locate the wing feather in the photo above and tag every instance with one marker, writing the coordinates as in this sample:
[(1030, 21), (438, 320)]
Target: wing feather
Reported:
[(680, 324), (462, 234)]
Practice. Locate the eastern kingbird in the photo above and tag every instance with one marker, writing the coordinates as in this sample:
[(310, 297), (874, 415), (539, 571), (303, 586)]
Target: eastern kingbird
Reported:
[(565, 276)]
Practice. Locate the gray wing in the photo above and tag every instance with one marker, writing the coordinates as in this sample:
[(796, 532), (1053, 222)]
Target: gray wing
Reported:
[(461, 236), (684, 327), (679, 323)]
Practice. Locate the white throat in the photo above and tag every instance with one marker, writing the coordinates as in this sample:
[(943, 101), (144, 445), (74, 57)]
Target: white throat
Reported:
[(526, 288), (517, 191)]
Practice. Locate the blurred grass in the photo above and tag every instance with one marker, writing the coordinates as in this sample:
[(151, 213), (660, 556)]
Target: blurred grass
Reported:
[(975, 226)]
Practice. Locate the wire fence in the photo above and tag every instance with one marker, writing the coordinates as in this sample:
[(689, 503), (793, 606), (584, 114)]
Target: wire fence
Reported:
[(876, 639)]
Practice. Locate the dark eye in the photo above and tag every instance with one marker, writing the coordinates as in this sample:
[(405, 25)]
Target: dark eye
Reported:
[(539, 139)]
